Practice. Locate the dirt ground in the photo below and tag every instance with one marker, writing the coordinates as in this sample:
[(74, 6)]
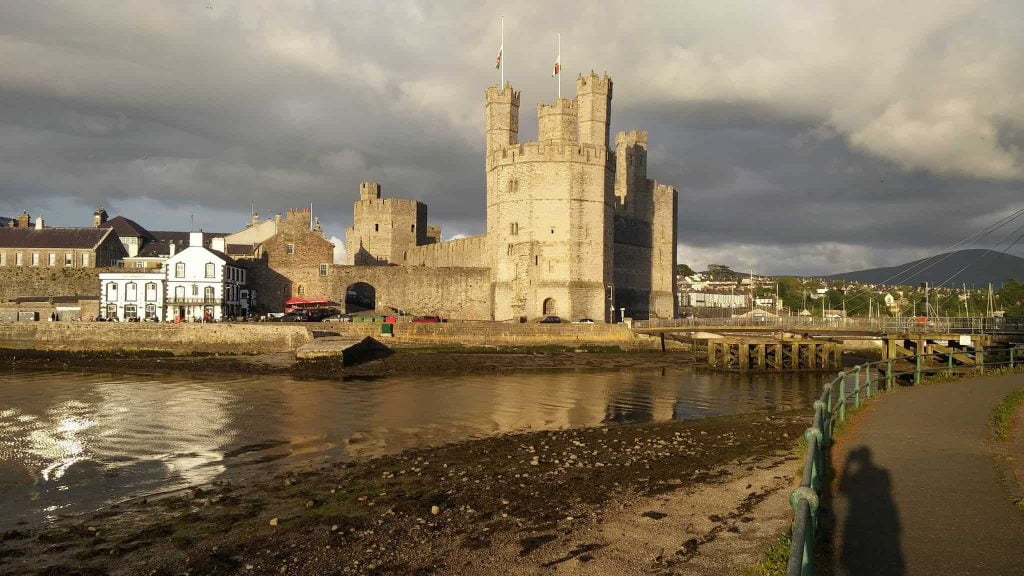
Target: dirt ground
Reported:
[(691, 497)]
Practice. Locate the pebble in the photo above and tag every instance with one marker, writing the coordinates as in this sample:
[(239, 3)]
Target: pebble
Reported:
[(435, 510), (273, 521)]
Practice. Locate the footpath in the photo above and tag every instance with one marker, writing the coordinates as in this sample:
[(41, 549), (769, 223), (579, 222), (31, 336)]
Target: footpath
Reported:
[(917, 491)]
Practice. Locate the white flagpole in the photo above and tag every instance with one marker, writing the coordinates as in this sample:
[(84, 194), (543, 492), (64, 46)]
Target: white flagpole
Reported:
[(558, 60), (501, 52)]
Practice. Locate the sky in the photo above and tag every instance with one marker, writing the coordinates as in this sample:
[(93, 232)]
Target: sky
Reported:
[(803, 137)]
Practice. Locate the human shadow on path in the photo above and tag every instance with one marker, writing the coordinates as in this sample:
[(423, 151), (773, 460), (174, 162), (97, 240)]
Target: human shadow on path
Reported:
[(871, 533)]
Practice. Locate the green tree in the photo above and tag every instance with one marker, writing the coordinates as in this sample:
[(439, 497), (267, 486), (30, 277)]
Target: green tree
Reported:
[(722, 273), (1011, 298), (684, 270)]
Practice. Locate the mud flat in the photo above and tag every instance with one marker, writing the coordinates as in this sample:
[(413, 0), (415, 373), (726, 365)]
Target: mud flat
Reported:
[(694, 497)]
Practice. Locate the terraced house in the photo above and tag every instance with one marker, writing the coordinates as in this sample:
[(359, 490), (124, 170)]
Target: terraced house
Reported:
[(34, 245)]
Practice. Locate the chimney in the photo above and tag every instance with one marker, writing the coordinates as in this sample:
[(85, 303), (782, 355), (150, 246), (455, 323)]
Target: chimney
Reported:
[(173, 249), (99, 217), (39, 223), (195, 239), (277, 219), (217, 244), (24, 219), (255, 218)]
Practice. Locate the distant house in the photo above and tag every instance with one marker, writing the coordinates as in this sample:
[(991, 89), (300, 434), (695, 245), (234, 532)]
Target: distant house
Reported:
[(5, 222), (204, 283), (40, 247), (130, 296), (147, 250)]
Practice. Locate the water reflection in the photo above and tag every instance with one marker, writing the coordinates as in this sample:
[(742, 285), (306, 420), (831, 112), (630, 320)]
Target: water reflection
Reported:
[(72, 442)]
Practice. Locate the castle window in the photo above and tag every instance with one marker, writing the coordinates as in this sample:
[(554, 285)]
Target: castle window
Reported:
[(412, 228), (536, 260), (509, 249), (323, 269), (289, 248), (301, 290), (376, 227), (552, 229), (514, 229), (513, 186)]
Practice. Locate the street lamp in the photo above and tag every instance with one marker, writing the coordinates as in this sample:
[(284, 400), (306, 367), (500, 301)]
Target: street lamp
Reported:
[(611, 304)]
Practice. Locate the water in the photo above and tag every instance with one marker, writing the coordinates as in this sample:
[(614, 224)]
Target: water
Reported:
[(74, 442)]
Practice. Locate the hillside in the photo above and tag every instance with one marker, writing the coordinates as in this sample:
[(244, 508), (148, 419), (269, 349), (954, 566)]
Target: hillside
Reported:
[(977, 267)]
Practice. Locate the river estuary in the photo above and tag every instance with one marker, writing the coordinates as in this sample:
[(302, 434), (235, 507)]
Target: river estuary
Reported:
[(74, 442)]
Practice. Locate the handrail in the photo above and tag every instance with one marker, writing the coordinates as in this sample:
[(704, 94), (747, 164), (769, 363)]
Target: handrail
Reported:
[(805, 498), (881, 325)]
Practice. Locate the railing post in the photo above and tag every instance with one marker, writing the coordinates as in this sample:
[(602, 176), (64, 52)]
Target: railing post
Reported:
[(842, 396), (856, 387), (981, 360), (917, 364), (888, 375), (867, 379), (949, 363), (1011, 358)]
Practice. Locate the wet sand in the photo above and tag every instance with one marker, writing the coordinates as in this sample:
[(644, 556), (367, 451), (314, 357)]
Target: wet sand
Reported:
[(689, 497)]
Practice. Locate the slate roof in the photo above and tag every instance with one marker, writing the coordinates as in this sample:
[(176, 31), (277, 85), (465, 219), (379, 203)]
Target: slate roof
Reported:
[(237, 250), (127, 228), (81, 238), (5, 222), (160, 243)]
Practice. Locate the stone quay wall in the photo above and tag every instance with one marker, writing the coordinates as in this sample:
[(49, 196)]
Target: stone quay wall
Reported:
[(18, 282), (261, 338), (176, 338)]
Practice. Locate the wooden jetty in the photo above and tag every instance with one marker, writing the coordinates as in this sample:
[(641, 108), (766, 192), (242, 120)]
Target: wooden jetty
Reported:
[(773, 354)]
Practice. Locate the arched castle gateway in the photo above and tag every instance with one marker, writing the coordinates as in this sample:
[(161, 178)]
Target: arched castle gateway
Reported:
[(571, 223)]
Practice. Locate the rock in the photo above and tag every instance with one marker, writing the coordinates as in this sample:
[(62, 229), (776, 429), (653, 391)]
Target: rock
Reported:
[(435, 510), (334, 528), (310, 503), (273, 521)]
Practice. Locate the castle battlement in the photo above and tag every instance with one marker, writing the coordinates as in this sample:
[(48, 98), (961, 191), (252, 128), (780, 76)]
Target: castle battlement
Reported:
[(593, 83), (502, 95), (541, 152), (631, 138)]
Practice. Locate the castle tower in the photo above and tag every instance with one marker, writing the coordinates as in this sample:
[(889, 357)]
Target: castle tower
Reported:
[(502, 117), (557, 123), (631, 171), (383, 229), (594, 102)]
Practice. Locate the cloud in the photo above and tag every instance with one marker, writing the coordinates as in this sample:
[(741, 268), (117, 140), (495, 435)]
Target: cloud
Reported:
[(782, 124), (339, 250)]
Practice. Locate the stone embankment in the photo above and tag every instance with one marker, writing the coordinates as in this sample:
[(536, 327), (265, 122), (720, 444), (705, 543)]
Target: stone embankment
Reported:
[(263, 338)]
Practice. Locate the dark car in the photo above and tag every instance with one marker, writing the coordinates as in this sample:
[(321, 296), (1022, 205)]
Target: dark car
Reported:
[(584, 321), (551, 320), (297, 316), (427, 319)]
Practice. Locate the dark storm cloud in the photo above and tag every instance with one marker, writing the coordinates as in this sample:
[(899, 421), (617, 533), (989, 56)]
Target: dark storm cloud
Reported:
[(802, 138)]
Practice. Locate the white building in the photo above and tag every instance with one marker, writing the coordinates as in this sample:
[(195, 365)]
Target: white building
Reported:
[(203, 283), (129, 296)]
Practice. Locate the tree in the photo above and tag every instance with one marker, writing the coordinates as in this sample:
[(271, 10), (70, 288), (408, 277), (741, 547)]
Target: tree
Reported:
[(684, 270), (721, 273), (1011, 298)]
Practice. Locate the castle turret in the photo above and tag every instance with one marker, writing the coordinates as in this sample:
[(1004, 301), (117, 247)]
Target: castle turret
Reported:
[(369, 191), (594, 101), (630, 167), (502, 117), (557, 123)]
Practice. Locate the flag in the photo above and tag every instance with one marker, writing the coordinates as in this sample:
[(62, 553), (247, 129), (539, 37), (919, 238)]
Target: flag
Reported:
[(497, 61), (558, 66)]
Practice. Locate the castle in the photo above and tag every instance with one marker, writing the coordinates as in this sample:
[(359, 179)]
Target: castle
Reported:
[(574, 228)]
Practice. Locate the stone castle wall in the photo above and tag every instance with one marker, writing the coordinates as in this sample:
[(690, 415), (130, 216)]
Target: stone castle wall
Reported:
[(468, 252), (16, 282), (384, 228)]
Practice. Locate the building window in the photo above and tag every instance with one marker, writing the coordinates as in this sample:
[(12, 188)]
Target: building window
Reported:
[(151, 292), (3, 258), (412, 228), (51, 260), (179, 270), (301, 290), (179, 293), (85, 260), (69, 259), (509, 249), (552, 229), (131, 292), (195, 290), (111, 311), (111, 292), (208, 293), (289, 248), (35, 258), (139, 264), (151, 312), (513, 229), (131, 312), (18, 259), (536, 260), (211, 270), (513, 186), (323, 269)]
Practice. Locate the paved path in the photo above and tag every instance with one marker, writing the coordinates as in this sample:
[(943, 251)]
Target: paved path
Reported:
[(917, 490)]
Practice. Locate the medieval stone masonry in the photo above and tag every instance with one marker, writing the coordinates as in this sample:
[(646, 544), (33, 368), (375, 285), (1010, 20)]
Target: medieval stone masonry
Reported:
[(574, 227)]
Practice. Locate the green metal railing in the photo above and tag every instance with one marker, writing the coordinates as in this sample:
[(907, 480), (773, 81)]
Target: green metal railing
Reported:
[(848, 387)]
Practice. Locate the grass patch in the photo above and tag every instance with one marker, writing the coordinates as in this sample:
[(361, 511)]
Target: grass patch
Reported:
[(1002, 417), (774, 557)]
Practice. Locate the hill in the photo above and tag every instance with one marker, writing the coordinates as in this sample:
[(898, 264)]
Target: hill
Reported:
[(976, 267)]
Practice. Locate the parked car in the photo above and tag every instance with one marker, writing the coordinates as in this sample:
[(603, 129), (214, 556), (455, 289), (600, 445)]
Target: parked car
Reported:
[(427, 319), (584, 321), (551, 320), (337, 317), (290, 317)]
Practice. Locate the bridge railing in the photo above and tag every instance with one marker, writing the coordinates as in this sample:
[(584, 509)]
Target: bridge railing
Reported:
[(886, 325), (848, 389)]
